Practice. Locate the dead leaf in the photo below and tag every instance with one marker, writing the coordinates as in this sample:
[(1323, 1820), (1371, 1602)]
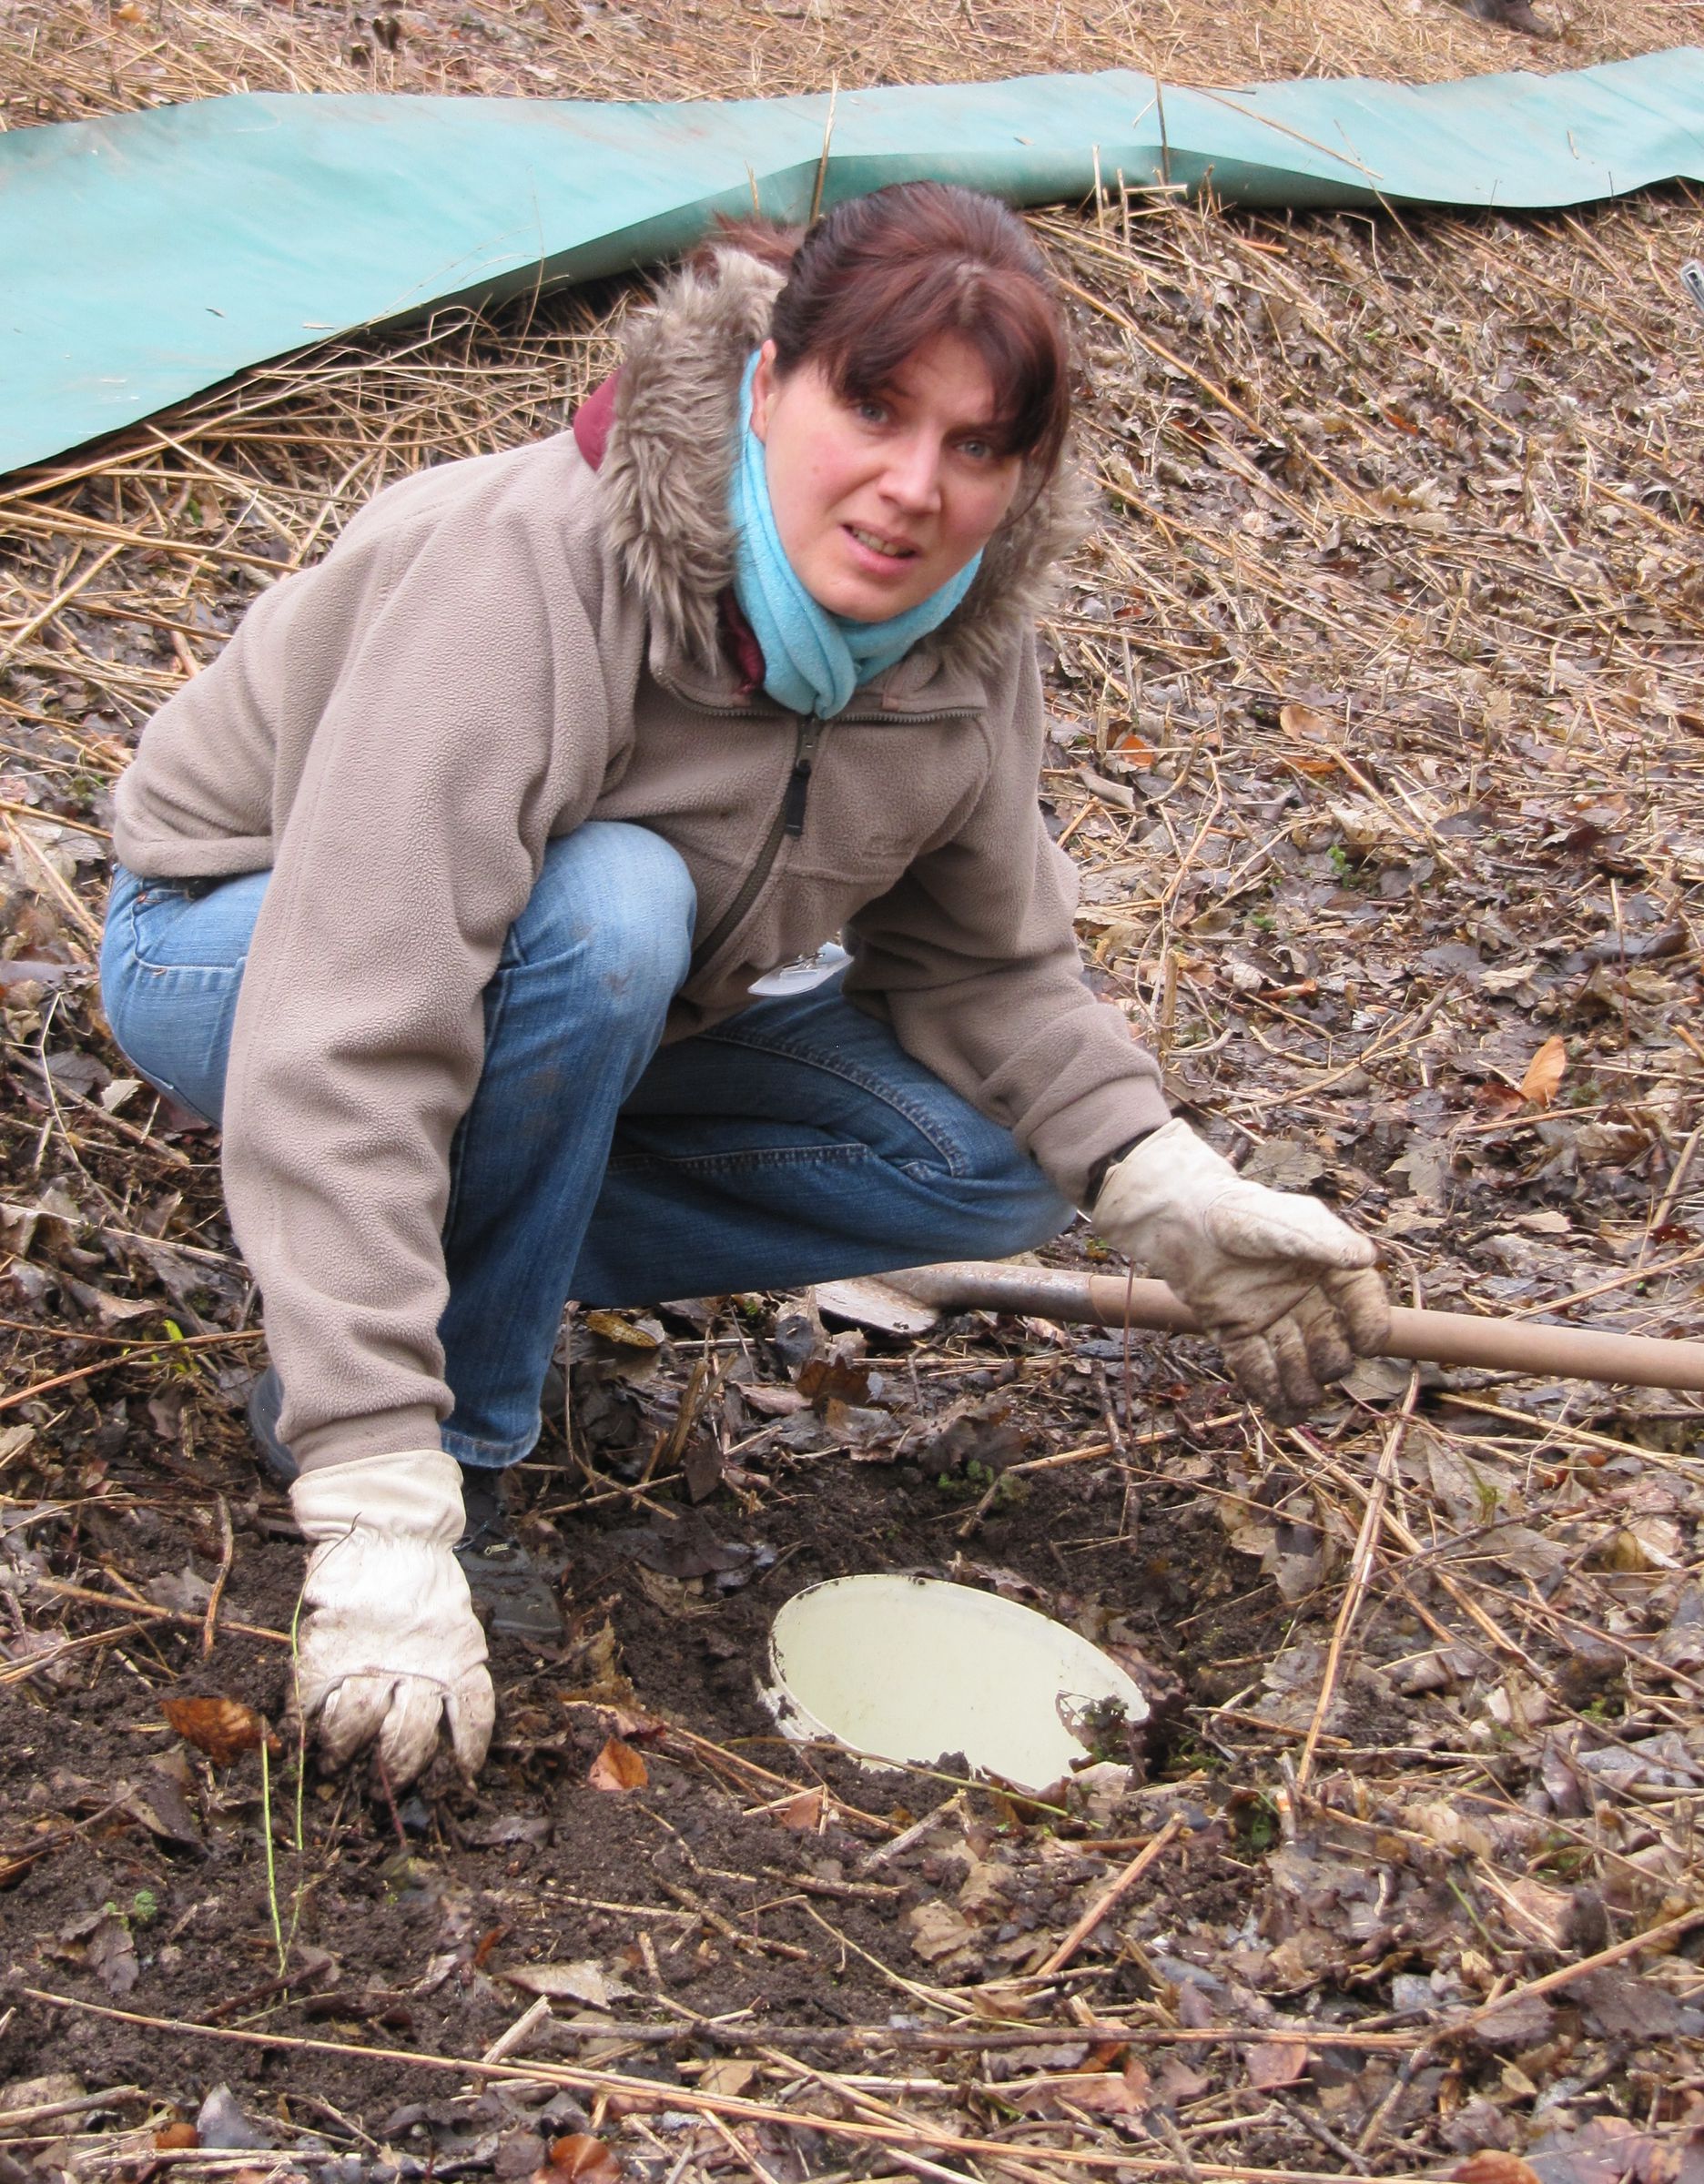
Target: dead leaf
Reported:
[(1284, 1163), (1608, 2149), (585, 2159), (684, 1547), (1114, 792), (728, 2078), (110, 1310), (841, 1370), (222, 1728), (937, 1931), (504, 1829), (1306, 723), (618, 1767), (773, 1402), (1647, 1543), (158, 1803), (626, 1334), (1494, 1099), (701, 1467), (1544, 1912), (1178, 2083), (582, 1981), (179, 1588), (1439, 1822), (111, 1952), (1275, 2063), (1490, 2165), (1621, 2005), (1522, 2022), (802, 1814), (1544, 1073), (987, 1882), (1125, 2092)]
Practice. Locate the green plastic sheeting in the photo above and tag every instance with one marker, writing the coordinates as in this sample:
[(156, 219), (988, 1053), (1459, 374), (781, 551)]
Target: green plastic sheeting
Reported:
[(148, 255)]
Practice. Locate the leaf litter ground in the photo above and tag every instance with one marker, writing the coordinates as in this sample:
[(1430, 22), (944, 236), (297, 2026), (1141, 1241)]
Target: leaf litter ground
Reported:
[(1378, 697)]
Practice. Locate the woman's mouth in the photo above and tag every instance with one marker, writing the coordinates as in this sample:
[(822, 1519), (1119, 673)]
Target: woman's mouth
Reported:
[(873, 542)]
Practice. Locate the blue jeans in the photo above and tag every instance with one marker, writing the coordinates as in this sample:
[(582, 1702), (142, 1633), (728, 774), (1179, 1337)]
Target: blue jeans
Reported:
[(796, 1142)]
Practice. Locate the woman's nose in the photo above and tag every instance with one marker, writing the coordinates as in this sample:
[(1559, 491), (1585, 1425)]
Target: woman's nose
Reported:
[(914, 473)]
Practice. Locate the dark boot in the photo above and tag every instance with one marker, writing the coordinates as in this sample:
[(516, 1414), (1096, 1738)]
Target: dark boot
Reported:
[(510, 1591)]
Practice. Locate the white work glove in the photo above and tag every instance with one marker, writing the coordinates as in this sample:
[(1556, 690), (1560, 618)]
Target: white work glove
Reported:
[(389, 1641), (1283, 1287)]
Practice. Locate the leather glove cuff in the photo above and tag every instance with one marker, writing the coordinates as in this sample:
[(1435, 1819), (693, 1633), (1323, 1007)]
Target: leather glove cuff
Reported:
[(408, 1494)]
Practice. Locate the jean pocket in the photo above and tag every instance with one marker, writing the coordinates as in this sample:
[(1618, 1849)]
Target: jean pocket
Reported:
[(195, 925), (156, 910)]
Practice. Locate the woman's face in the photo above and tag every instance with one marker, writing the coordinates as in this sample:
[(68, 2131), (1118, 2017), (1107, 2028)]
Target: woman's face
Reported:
[(880, 500)]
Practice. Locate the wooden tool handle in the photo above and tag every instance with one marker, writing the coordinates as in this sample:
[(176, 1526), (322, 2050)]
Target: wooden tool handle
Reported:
[(1570, 1354)]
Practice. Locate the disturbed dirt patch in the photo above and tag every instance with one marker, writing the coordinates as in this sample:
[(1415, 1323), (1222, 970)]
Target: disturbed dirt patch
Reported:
[(411, 1917)]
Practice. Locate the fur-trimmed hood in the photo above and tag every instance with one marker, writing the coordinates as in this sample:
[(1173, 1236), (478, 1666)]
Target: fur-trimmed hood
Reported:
[(666, 475)]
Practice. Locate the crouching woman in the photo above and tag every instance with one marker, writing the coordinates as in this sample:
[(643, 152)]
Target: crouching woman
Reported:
[(615, 872)]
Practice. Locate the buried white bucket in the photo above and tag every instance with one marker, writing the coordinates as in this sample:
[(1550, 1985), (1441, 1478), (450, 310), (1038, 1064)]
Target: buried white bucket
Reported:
[(911, 1669)]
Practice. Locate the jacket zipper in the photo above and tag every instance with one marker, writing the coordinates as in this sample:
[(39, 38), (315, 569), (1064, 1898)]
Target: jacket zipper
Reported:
[(788, 824)]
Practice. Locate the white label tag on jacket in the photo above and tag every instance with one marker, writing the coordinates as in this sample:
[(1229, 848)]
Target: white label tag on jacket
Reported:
[(803, 971)]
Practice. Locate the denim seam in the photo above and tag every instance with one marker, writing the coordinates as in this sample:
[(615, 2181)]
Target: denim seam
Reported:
[(952, 1157), (156, 969), (768, 1155), (453, 1203), (151, 964), (492, 1455), (778, 1156)]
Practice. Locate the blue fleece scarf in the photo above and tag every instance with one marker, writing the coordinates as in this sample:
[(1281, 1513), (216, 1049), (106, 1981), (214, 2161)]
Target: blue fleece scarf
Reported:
[(813, 660)]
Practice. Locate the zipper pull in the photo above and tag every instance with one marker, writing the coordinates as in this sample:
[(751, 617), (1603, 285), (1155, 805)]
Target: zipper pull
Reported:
[(798, 781)]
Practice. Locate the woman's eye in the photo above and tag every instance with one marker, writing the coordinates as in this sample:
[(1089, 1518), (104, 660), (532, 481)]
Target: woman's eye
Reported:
[(871, 413)]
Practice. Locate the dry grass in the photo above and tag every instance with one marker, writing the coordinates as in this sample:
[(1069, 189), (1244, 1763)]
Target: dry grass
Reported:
[(64, 59)]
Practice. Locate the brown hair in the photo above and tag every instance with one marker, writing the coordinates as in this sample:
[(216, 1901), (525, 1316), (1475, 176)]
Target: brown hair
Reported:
[(880, 276)]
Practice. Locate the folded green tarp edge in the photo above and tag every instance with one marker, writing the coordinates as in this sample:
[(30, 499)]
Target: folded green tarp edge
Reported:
[(147, 257)]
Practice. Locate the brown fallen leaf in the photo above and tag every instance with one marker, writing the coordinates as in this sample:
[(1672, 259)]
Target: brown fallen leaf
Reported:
[(728, 2078), (839, 1372), (222, 1728), (1177, 2083), (1493, 1100), (1306, 723), (937, 1931), (1490, 2165), (1126, 2092), (1275, 2063), (802, 1814), (110, 1950), (584, 2157), (1544, 1073), (582, 1981), (613, 1327), (175, 2137), (618, 1767)]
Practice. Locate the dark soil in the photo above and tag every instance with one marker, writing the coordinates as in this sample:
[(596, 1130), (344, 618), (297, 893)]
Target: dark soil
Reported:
[(405, 1916)]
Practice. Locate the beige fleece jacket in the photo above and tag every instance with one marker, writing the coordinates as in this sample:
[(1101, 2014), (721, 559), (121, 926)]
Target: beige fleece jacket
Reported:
[(495, 651)]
